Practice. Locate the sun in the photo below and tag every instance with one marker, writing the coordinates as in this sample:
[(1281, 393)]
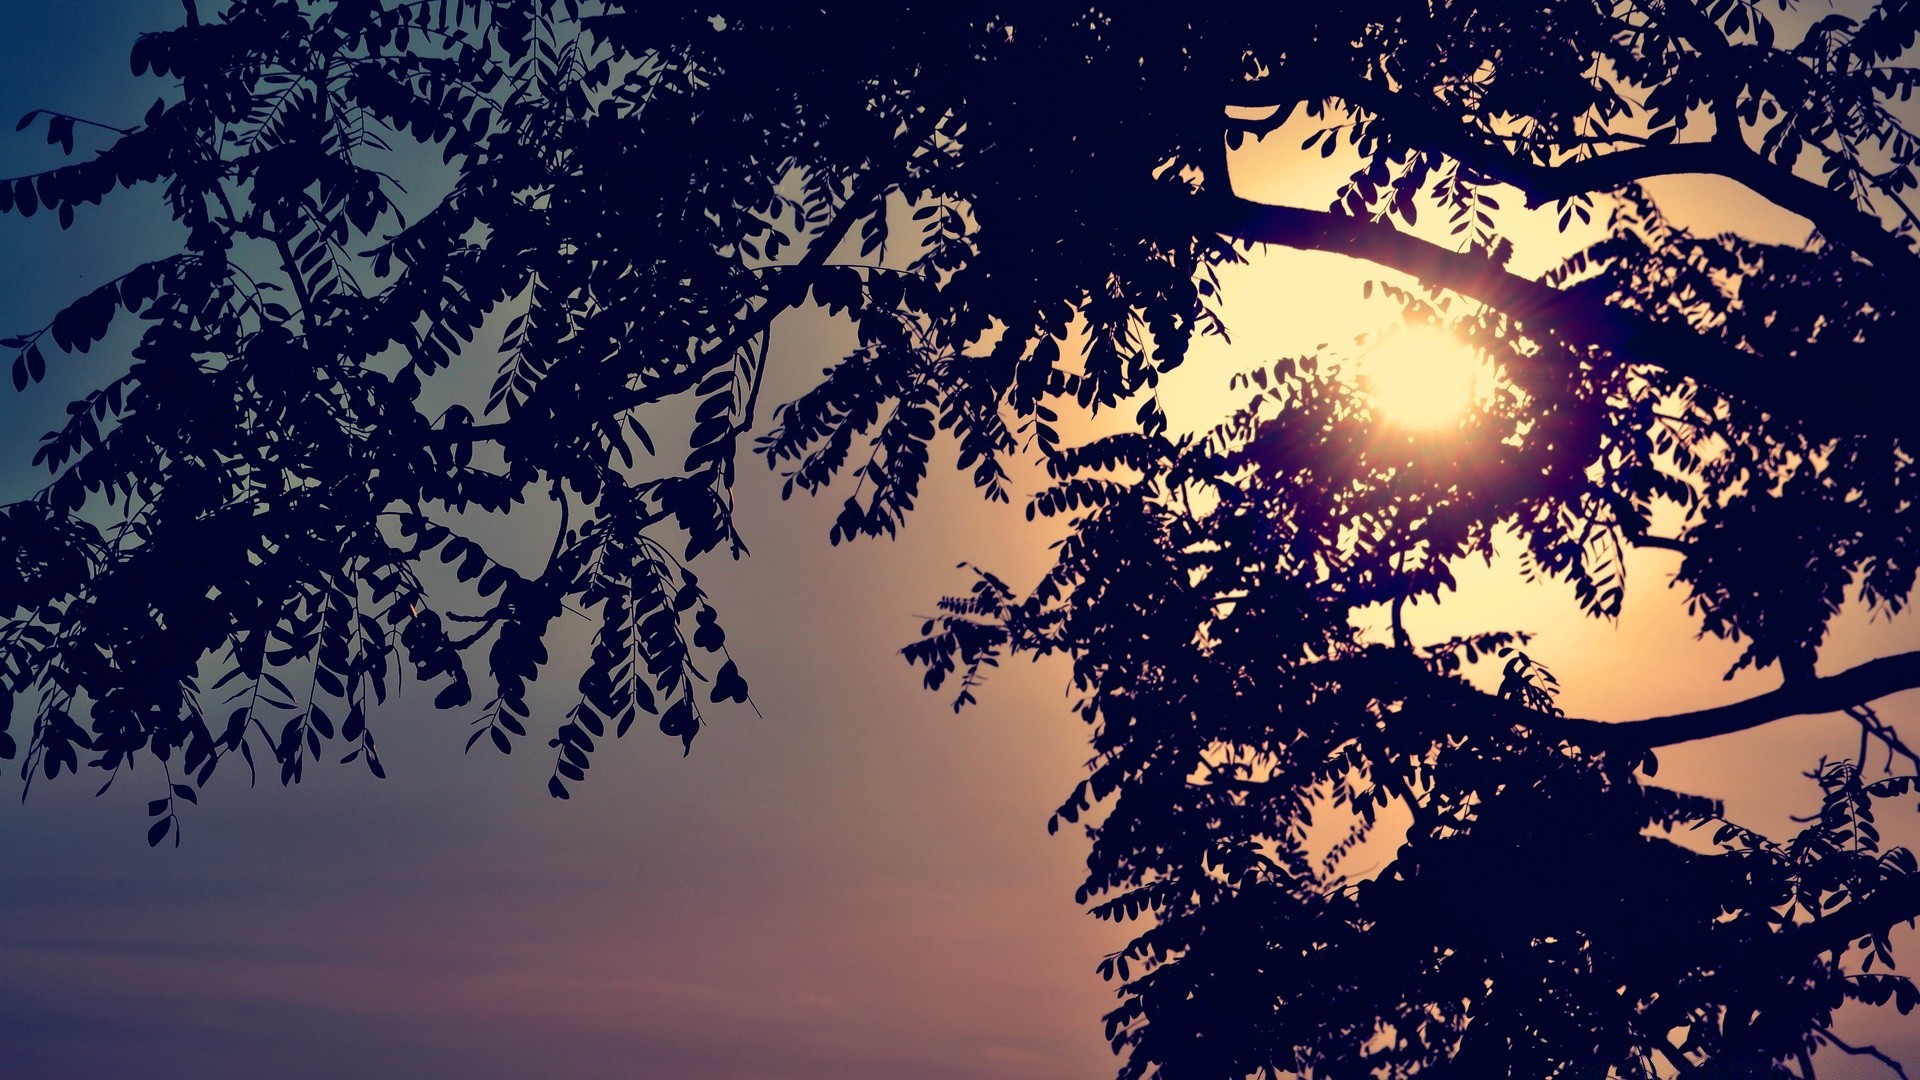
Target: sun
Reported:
[(1423, 378)]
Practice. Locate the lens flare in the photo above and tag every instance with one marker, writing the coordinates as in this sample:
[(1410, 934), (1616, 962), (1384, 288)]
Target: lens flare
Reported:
[(1423, 378)]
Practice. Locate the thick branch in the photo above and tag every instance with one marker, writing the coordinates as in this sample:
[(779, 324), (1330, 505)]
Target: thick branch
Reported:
[(1832, 212), (1834, 693), (1579, 318)]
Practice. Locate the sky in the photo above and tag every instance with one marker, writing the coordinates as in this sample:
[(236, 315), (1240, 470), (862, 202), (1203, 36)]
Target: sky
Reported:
[(855, 883)]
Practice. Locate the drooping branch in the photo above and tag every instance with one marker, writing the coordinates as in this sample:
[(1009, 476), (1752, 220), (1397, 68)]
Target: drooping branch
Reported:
[(1582, 319), (867, 198), (787, 289)]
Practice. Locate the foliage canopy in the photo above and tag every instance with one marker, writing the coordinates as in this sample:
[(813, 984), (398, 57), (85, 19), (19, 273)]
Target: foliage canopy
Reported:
[(606, 205)]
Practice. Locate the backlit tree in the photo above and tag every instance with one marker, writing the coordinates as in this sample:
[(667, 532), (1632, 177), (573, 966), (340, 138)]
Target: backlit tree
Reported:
[(441, 259)]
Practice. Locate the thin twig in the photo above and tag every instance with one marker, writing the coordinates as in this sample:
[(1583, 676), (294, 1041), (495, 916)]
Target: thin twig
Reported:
[(1867, 1050)]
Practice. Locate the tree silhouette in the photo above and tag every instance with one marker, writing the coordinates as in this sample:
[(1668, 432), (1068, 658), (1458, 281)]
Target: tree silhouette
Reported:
[(603, 207)]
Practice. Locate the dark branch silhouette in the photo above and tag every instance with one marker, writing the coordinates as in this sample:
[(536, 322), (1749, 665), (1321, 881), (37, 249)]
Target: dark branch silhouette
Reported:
[(1864, 683), (1725, 154), (1580, 317)]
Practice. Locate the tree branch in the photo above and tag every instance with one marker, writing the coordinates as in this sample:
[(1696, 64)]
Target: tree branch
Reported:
[(787, 289), (1832, 694), (1832, 212), (1827, 1035), (1895, 902), (1581, 319)]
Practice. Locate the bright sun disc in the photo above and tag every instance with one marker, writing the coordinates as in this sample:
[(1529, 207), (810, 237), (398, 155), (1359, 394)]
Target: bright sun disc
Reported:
[(1423, 378)]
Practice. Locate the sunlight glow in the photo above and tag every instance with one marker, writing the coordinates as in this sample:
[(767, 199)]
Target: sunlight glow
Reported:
[(1423, 378)]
